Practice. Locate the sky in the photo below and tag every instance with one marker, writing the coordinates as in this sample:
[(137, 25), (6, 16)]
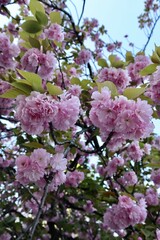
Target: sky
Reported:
[(119, 18)]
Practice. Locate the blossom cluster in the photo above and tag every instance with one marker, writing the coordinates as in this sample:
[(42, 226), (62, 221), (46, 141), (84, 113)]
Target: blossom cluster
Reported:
[(124, 214), (118, 76), (140, 61), (8, 51), (154, 90), (54, 32), (5, 103), (123, 118), (83, 57), (37, 110), (40, 164), (42, 63)]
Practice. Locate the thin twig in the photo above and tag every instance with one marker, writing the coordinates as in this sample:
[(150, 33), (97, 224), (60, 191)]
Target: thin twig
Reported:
[(36, 221), (151, 33), (83, 7)]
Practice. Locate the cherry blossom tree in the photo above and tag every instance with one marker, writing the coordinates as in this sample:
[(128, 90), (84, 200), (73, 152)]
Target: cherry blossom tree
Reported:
[(79, 158)]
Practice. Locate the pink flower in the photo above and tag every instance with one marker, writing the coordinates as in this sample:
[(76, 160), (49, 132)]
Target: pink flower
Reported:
[(36, 61), (126, 119), (118, 76), (83, 57), (41, 157), (73, 179), (54, 32), (155, 176), (34, 112), (140, 62), (152, 197), (124, 214), (6, 104), (88, 207), (66, 113), (23, 163), (58, 162), (8, 51), (75, 90), (134, 152), (113, 165), (129, 178), (158, 234), (5, 236)]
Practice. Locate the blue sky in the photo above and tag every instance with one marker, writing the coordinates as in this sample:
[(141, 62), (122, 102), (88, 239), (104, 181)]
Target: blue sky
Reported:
[(120, 18)]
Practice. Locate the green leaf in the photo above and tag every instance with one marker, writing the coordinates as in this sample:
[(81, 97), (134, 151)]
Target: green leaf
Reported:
[(132, 93), (55, 17), (129, 57), (157, 49), (12, 93), (153, 165), (41, 18), (54, 90), (76, 81), (148, 70), (84, 84), (33, 145), (114, 62), (155, 58), (112, 87), (35, 4), (31, 26), (58, 44), (34, 42), (102, 62), (22, 86), (33, 79)]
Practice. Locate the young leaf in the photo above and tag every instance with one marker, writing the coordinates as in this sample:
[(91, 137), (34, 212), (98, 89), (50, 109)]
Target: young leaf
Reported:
[(112, 87), (148, 70), (76, 81), (129, 57), (12, 93), (34, 79), (114, 62), (33, 145), (35, 4), (132, 93), (102, 62), (41, 18), (31, 26), (22, 86), (34, 42), (54, 90), (55, 17)]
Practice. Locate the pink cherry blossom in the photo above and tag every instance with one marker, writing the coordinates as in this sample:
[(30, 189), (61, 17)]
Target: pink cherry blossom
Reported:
[(152, 197), (8, 51), (6, 104), (125, 213), (118, 76), (155, 176), (58, 162), (34, 112), (140, 62), (54, 32), (36, 61), (66, 113), (83, 57), (73, 179)]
